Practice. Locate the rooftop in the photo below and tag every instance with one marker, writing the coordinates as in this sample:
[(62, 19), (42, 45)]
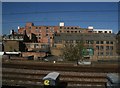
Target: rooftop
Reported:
[(92, 36)]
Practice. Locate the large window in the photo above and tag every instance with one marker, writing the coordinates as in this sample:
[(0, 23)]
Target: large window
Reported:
[(111, 48), (101, 42), (36, 46), (89, 41), (97, 42), (107, 42), (111, 42), (100, 54), (107, 47), (101, 47), (97, 47)]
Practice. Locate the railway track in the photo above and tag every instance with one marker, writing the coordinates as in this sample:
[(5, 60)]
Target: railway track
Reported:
[(57, 67), (30, 75)]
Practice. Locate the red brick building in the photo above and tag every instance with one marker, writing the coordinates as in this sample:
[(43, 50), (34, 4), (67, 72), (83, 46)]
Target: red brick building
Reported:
[(45, 34)]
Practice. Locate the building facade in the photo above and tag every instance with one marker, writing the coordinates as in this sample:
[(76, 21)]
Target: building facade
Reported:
[(100, 43), (45, 34), (98, 46)]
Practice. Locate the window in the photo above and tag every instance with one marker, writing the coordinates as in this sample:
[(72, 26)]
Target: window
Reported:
[(46, 34), (47, 30), (39, 37), (36, 46), (60, 27), (59, 41), (77, 41), (46, 27), (87, 41), (99, 31), (36, 30), (101, 53), (97, 42), (111, 48), (107, 47), (91, 41), (111, 53), (111, 42), (75, 31), (101, 47), (105, 31), (101, 42), (71, 41), (30, 27), (97, 47), (107, 42), (67, 31), (107, 53)]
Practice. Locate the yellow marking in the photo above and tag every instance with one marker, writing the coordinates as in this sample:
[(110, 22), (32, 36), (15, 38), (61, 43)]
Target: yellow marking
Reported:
[(46, 82)]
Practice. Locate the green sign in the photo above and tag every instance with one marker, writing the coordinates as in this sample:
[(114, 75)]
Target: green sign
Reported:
[(88, 51)]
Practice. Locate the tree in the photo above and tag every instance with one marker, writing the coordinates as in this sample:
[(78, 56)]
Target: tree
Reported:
[(34, 38), (118, 43), (25, 37), (73, 52)]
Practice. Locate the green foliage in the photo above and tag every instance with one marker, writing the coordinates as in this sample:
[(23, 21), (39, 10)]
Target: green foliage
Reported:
[(118, 43), (73, 52), (118, 47)]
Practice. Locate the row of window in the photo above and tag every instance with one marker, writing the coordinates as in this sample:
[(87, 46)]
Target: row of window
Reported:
[(104, 42), (103, 31), (38, 30), (68, 27), (70, 31), (104, 47), (105, 54), (91, 42), (46, 27)]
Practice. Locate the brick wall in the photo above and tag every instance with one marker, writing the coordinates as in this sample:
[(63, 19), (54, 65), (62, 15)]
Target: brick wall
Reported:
[(35, 54)]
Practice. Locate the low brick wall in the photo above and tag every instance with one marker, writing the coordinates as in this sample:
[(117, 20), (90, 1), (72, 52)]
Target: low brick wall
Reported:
[(35, 54)]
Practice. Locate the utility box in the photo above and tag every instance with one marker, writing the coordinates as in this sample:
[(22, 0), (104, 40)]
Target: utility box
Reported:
[(113, 80), (51, 80)]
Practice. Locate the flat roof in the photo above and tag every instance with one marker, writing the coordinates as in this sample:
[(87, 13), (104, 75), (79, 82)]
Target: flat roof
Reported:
[(52, 75), (114, 78), (1, 53), (12, 52)]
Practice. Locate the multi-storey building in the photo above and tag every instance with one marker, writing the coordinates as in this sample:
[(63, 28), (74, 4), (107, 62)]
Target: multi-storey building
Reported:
[(102, 30), (98, 45), (45, 34), (99, 42)]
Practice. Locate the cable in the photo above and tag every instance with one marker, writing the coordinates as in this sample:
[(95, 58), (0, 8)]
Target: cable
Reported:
[(42, 12)]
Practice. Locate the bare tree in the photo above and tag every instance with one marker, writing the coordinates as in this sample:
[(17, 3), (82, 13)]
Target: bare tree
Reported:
[(73, 52), (118, 43)]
